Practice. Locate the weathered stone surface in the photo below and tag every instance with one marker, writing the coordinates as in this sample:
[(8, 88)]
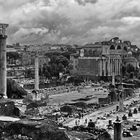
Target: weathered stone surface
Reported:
[(37, 130), (7, 107), (14, 90)]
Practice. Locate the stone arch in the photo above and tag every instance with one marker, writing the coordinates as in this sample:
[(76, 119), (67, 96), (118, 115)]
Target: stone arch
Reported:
[(112, 47)]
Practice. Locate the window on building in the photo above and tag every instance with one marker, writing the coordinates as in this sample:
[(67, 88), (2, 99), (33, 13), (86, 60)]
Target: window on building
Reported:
[(112, 47), (118, 47), (90, 52), (85, 52), (125, 48), (94, 53)]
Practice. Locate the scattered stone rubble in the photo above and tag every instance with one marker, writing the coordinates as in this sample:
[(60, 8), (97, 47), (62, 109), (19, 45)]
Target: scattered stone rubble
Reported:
[(34, 129), (43, 128)]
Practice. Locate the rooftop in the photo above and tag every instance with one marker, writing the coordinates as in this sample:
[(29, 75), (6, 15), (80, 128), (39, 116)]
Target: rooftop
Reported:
[(91, 45)]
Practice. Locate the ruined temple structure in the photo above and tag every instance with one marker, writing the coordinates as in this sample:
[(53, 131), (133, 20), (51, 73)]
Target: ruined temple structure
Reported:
[(102, 60)]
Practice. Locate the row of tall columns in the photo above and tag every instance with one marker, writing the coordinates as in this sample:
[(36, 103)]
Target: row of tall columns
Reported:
[(102, 67), (114, 67), (109, 66)]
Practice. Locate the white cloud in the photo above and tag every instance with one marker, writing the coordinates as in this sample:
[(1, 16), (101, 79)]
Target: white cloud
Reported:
[(70, 21), (131, 20)]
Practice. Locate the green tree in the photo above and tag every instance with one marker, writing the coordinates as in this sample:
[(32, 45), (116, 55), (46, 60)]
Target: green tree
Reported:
[(130, 68), (61, 67), (53, 70), (47, 74), (58, 63), (123, 70), (63, 60), (131, 75), (28, 73), (59, 59)]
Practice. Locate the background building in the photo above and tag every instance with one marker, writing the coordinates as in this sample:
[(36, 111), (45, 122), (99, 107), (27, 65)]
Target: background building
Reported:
[(102, 59)]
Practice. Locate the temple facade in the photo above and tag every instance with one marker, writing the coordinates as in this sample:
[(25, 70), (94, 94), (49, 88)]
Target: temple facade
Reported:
[(102, 59)]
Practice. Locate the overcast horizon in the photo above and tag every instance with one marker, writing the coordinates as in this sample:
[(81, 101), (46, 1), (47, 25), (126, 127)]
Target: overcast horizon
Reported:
[(70, 21)]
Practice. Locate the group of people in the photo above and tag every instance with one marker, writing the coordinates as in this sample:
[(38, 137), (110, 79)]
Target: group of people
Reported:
[(87, 122)]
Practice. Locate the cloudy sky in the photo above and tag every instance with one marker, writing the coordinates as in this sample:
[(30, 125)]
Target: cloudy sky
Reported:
[(70, 21)]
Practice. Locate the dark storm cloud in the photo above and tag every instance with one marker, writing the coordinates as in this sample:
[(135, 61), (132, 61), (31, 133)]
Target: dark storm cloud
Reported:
[(84, 2)]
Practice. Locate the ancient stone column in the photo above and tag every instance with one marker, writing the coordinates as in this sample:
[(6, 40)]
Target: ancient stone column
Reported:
[(36, 73), (3, 72), (113, 72), (117, 131), (100, 65)]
